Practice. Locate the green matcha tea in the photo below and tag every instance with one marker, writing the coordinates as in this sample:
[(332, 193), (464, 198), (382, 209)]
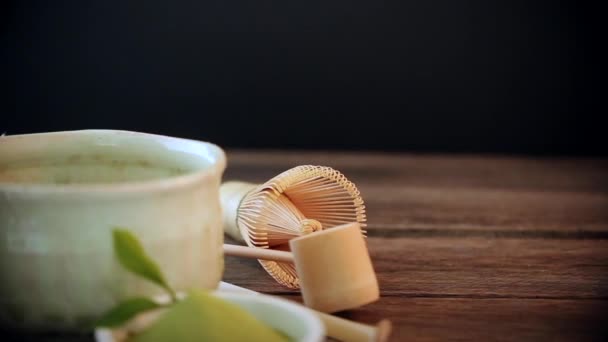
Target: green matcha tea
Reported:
[(95, 165), (203, 317)]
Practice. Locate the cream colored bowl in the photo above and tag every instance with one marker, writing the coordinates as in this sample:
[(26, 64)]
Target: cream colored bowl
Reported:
[(296, 321), (61, 194)]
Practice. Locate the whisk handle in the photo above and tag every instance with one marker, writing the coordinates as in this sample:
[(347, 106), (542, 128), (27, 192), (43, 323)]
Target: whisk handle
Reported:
[(258, 253), (231, 195)]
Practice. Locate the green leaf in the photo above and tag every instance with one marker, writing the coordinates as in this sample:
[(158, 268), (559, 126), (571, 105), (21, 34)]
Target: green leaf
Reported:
[(201, 316), (125, 311), (132, 256)]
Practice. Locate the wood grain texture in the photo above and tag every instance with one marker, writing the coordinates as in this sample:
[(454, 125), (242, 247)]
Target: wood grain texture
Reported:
[(469, 247), (468, 195), (494, 319), (466, 248), (471, 267)]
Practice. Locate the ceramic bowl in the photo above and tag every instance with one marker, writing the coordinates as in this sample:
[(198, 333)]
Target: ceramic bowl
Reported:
[(62, 194), (297, 322)]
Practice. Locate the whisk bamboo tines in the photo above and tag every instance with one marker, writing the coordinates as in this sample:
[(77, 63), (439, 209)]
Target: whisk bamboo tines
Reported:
[(299, 201)]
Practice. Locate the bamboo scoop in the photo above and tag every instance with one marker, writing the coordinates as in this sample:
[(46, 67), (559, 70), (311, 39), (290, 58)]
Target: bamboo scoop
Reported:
[(333, 266), (299, 201), (336, 327)]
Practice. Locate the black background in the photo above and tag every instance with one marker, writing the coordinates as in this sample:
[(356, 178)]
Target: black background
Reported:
[(420, 76)]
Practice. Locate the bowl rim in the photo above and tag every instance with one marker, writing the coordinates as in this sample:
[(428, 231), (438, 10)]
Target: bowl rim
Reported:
[(215, 169)]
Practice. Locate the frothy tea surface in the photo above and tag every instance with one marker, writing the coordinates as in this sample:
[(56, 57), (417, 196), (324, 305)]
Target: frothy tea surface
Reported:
[(89, 168)]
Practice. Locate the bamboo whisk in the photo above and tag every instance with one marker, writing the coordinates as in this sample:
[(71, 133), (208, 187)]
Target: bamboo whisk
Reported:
[(299, 201)]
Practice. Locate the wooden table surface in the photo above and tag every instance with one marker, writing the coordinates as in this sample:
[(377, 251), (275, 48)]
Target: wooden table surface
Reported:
[(465, 248), (468, 247)]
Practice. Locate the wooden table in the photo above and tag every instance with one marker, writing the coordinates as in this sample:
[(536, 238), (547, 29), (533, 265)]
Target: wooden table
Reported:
[(469, 248), (465, 248)]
